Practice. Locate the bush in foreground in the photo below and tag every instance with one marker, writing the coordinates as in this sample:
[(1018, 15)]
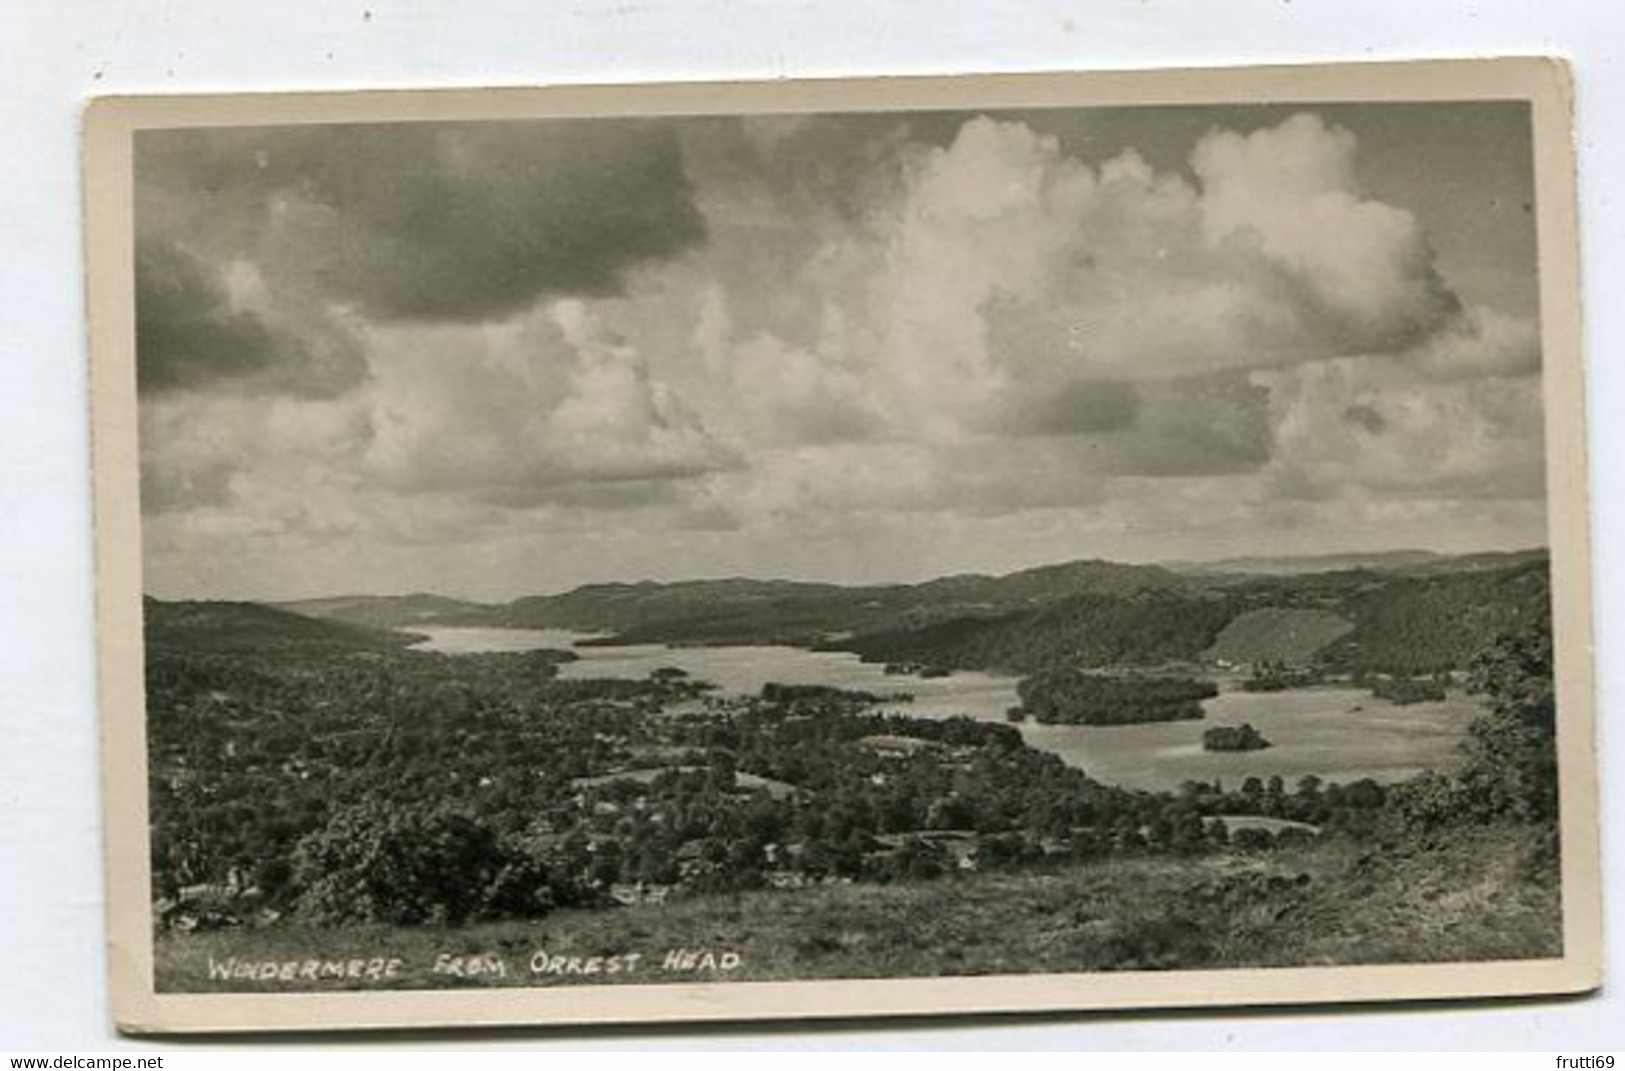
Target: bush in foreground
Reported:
[(408, 866)]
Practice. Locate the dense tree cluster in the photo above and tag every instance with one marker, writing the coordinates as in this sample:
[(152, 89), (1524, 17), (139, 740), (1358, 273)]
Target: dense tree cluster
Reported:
[(1234, 738), (1423, 625), (1510, 773), (1512, 753), (1076, 697), (1276, 676), (1403, 691), (1146, 628), (413, 788)]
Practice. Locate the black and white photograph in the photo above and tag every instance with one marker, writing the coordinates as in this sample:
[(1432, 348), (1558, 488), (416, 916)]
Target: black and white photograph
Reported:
[(1070, 549)]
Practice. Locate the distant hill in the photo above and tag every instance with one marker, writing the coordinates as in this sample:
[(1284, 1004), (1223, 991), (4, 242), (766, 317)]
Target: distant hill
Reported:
[(1357, 620), (782, 611), (251, 628), (740, 610), (1421, 624), (1404, 611), (1408, 562), (1047, 582), (1083, 630), (391, 611), (649, 605)]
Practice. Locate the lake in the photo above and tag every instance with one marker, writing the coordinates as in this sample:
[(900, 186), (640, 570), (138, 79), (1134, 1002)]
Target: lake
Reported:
[(1335, 733)]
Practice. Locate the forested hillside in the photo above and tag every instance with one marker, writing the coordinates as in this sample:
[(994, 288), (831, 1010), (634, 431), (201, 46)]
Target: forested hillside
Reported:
[(745, 611), (1085, 630), (392, 611), (1351, 621), (1428, 624), (250, 628), (778, 611), (1416, 614)]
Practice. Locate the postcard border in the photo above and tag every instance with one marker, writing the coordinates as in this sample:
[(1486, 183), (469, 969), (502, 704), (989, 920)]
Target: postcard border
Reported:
[(109, 125)]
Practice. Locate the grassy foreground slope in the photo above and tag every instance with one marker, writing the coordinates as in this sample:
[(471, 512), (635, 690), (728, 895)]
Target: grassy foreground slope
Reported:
[(1462, 896)]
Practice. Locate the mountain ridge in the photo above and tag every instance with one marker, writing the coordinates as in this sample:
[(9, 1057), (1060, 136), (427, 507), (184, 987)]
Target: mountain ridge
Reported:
[(1087, 612), (1405, 561)]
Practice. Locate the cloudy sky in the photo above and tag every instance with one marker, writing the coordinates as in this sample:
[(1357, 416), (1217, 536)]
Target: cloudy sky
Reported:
[(490, 359)]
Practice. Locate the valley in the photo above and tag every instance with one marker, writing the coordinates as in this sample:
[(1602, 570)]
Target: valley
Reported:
[(421, 762)]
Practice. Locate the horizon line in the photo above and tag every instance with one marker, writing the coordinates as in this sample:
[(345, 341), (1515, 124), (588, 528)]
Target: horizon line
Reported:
[(1175, 565)]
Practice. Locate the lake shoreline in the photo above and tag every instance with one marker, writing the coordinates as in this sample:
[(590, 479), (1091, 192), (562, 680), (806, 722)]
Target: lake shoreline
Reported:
[(1335, 732)]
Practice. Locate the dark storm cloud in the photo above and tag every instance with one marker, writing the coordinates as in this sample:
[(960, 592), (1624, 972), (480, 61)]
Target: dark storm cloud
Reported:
[(188, 337), (432, 221)]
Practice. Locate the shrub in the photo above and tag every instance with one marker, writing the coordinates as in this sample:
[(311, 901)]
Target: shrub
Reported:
[(1428, 800), (1252, 838), (1403, 691), (412, 865)]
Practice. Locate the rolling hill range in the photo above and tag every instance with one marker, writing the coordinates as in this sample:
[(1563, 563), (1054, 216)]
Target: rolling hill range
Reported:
[(740, 610), (1418, 613), (1357, 621), (391, 611), (252, 628), (1402, 562)]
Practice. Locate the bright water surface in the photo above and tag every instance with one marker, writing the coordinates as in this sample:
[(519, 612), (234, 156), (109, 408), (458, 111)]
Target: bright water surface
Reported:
[(1338, 734)]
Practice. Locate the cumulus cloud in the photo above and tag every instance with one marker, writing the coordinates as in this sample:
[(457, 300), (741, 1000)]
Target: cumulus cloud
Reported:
[(529, 411), (799, 396), (833, 331), (1371, 424), (1271, 258), (1481, 342), (229, 451), (1363, 266), (995, 285)]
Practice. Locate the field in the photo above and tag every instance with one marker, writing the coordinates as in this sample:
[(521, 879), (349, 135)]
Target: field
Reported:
[(1460, 897)]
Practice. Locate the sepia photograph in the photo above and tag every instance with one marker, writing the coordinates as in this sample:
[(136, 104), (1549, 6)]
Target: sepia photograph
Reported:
[(857, 548)]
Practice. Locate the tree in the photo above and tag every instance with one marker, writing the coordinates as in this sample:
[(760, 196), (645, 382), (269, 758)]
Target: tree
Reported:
[(1511, 766), (374, 862)]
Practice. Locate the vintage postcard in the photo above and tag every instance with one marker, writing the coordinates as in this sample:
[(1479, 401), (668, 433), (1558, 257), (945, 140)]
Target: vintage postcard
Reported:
[(843, 548)]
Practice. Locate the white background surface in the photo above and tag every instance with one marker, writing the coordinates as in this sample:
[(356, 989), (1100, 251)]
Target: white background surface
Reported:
[(55, 53)]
